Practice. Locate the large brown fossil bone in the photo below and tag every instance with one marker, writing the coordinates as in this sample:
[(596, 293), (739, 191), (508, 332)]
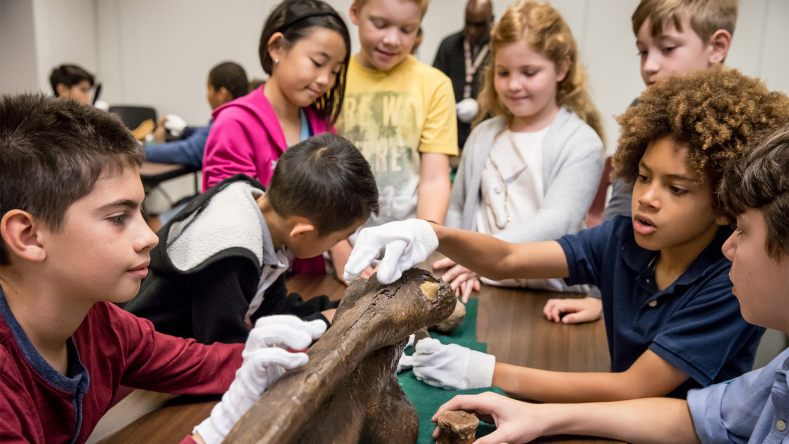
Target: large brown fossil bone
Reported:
[(348, 392)]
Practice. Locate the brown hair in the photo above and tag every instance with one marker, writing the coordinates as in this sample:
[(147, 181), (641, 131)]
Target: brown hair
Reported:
[(546, 32), (52, 153), (716, 114), (422, 4), (760, 180), (706, 16)]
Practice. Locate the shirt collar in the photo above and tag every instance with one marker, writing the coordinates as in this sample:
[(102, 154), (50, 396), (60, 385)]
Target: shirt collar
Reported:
[(78, 373), (638, 258)]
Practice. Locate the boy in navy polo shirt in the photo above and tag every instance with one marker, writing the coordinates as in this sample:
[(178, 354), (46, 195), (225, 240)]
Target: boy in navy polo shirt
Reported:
[(671, 319), (753, 408)]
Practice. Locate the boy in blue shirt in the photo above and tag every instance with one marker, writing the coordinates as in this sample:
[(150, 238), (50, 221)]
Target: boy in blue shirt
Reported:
[(671, 319), (753, 408), (226, 82)]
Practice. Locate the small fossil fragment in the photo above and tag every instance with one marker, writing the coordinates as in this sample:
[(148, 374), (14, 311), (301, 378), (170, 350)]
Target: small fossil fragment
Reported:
[(457, 427)]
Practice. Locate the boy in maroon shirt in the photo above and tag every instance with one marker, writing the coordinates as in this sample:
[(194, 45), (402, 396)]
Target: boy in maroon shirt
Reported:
[(73, 242)]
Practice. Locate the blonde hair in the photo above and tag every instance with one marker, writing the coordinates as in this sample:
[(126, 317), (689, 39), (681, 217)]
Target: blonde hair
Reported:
[(706, 16), (422, 4), (545, 31)]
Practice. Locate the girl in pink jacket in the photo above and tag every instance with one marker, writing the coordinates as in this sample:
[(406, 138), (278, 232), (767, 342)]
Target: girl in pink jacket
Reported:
[(304, 48)]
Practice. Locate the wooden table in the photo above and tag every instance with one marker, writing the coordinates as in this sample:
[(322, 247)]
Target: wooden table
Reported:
[(510, 321)]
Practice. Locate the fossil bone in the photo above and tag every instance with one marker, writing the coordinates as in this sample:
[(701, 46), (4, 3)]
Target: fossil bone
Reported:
[(348, 391)]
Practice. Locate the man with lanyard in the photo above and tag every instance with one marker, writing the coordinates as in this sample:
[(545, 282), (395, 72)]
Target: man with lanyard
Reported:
[(462, 57)]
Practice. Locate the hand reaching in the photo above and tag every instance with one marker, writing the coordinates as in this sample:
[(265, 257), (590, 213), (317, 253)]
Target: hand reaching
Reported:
[(576, 311), (402, 244), (266, 358), (516, 421), (452, 366), (462, 280)]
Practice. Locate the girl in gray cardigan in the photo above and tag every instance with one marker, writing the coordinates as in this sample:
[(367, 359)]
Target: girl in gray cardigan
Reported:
[(531, 172)]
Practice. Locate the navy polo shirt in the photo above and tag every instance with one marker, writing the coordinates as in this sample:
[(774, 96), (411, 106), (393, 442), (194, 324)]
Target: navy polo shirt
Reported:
[(695, 324)]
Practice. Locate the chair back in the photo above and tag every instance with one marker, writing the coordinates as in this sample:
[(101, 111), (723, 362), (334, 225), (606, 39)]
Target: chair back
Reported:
[(133, 116), (595, 216)]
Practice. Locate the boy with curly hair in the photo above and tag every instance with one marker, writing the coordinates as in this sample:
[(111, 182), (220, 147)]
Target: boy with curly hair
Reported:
[(676, 37), (671, 319), (672, 37), (750, 408)]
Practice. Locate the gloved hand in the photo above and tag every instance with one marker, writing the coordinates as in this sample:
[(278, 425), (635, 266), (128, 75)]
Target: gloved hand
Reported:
[(403, 245), (452, 366), (405, 361), (467, 109), (265, 359)]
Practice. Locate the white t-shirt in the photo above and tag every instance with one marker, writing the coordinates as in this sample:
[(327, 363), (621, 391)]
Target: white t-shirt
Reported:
[(512, 186)]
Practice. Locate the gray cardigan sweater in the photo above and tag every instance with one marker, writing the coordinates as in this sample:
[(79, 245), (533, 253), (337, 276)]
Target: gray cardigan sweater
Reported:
[(572, 162)]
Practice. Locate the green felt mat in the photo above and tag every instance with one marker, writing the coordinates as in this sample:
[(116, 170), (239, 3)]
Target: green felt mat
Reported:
[(426, 398)]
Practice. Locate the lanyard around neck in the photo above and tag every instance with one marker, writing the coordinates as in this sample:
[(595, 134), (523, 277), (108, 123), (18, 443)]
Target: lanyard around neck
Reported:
[(472, 67)]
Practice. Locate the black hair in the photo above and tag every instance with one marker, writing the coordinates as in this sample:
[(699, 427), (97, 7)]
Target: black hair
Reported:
[(69, 75), (52, 153), (231, 76), (295, 20), (325, 179)]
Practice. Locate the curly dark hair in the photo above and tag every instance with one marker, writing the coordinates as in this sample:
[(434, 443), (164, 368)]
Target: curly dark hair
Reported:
[(716, 114)]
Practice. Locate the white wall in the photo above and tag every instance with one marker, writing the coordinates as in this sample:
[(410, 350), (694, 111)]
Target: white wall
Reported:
[(159, 52), (65, 32), (18, 68)]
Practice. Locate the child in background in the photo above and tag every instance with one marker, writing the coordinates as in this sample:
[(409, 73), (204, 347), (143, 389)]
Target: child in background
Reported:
[(400, 113), (672, 37), (751, 408), (530, 173), (304, 49), (67, 255), (221, 261), (226, 82), (671, 320), (72, 82)]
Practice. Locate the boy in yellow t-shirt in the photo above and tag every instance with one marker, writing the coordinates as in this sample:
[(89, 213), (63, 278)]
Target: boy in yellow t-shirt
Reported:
[(400, 113)]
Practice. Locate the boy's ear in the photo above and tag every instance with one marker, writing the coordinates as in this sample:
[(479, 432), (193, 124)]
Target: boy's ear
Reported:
[(353, 14), (22, 235), (62, 90), (719, 44), (300, 226), (564, 66)]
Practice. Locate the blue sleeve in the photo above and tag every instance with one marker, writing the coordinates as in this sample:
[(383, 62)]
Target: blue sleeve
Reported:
[(185, 152), (729, 412), (585, 252), (709, 334)]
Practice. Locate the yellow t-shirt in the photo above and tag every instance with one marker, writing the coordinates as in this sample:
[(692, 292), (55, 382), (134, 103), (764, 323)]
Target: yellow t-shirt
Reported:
[(393, 115)]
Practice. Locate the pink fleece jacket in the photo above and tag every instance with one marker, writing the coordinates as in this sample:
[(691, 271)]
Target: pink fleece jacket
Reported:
[(247, 138)]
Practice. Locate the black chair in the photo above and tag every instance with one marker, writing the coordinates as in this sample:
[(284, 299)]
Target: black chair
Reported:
[(133, 116)]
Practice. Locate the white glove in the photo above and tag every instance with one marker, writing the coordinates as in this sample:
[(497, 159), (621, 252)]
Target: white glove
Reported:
[(175, 124), (405, 361), (452, 366), (265, 359), (405, 243), (466, 109)]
